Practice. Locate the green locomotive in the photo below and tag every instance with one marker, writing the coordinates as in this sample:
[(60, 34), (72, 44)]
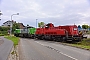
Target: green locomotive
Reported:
[(25, 32)]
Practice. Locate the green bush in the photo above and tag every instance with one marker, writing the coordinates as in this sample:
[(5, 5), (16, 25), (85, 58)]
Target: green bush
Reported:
[(4, 28), (3, 33)]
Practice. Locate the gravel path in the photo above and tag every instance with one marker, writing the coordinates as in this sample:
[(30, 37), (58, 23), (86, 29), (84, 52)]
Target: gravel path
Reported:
[(87, 35)]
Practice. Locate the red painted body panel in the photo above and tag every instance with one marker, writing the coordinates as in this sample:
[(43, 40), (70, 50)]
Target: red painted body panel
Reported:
[(54, 31), (71, 29), (59, 30), (39, 31), (50, 31)]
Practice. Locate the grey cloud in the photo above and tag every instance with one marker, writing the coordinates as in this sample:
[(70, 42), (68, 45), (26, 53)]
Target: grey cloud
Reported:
[(0, 1), (59, 12)]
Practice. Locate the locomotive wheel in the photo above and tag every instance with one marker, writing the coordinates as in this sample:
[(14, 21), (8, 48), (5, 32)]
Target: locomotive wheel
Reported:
[(42, 38), (64, 39), (23, 36)]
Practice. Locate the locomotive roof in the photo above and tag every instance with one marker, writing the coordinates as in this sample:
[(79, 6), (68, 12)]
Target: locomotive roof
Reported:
[(68, 25), (28, 27)]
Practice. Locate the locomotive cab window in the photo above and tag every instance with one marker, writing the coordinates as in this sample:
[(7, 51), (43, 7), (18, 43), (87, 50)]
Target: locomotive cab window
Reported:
[(75, 28), (47, 26)]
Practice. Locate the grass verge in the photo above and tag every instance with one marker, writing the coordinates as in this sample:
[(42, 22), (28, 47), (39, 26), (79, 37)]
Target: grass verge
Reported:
[(85, 44), (1, 34), (14, 39), (88, 32)]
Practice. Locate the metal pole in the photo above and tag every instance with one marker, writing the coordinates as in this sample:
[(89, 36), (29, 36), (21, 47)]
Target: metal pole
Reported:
[(36, 23), (0, 14), (12, 23), (11, 26)]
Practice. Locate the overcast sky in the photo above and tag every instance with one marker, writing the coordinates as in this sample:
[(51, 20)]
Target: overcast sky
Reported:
[(58, 12)]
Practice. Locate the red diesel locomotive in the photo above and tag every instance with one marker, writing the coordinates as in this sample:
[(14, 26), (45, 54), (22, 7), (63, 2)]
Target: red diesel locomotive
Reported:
[(59, 33)]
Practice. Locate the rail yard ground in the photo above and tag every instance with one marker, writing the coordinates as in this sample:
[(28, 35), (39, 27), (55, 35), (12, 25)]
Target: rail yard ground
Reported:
[(85, 44), (14, 54), (49, 50), (5, 48), (14, 39)]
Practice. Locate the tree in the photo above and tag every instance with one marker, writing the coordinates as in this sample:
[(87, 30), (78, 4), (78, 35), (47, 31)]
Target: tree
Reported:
[(15, 26), (79, 26), (89, 26), (85, 26), (4, 28), (41, 24)]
